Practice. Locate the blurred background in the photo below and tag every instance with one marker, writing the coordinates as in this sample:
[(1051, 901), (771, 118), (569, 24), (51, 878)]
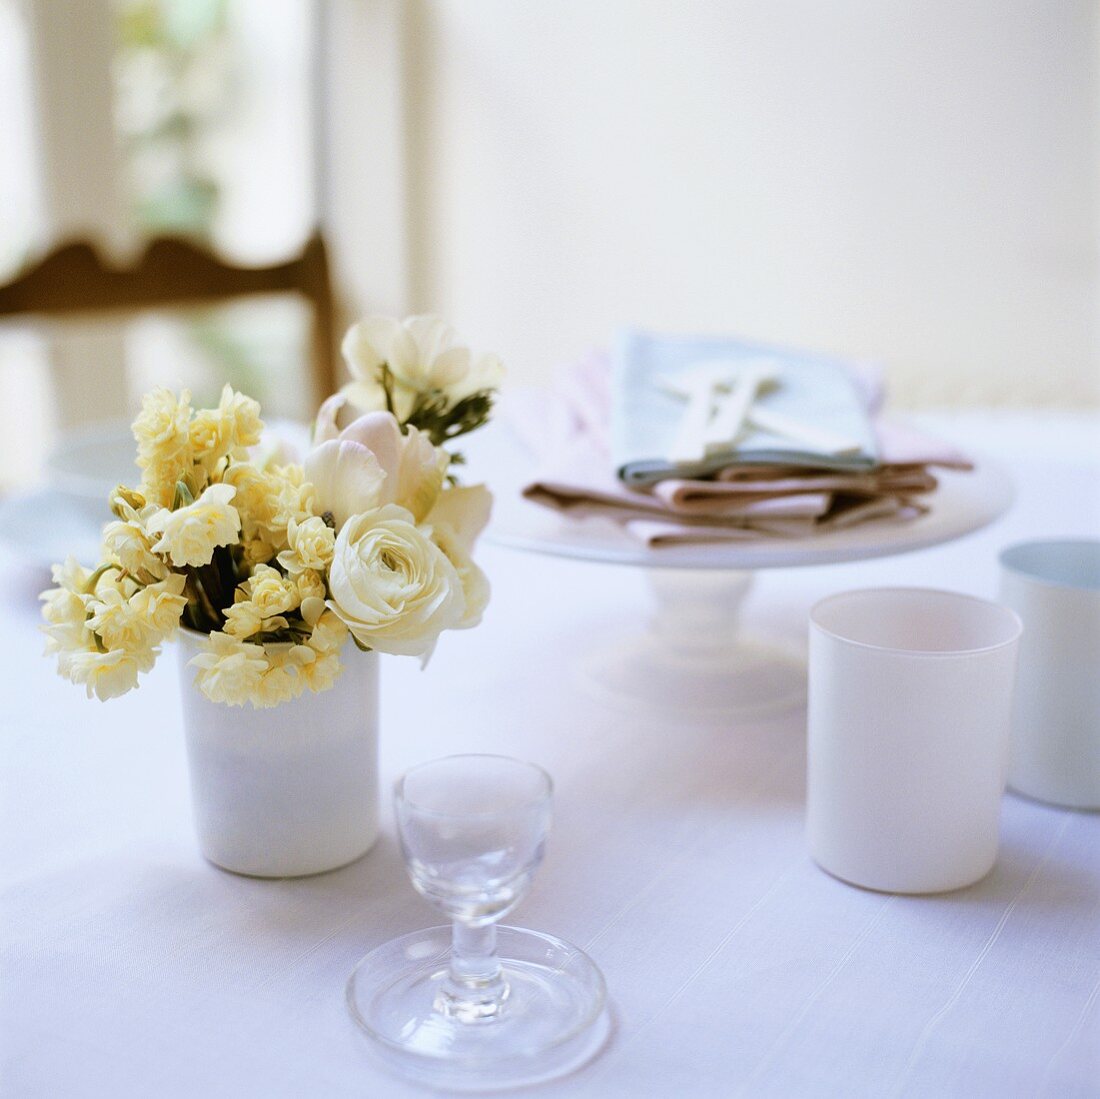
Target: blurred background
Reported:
[(916, 183)]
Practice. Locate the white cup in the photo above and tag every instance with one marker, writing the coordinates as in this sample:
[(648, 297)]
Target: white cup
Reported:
[(909, 708), (1055, 588)]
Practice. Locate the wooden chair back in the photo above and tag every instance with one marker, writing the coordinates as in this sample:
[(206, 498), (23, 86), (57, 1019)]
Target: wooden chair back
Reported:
[(74, 279)]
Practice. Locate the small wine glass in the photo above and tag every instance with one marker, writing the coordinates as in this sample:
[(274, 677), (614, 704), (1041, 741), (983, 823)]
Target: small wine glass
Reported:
[(476, 1005)]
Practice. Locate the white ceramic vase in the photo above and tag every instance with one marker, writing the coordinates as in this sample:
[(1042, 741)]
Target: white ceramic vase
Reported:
[(290, 790)]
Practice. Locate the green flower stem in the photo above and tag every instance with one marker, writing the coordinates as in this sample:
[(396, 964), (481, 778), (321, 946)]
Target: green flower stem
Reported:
[(93, 580), (196, 593)]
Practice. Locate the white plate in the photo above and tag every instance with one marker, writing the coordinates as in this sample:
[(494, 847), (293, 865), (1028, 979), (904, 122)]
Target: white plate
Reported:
[(47, 526), (964, 502), (90, 462)]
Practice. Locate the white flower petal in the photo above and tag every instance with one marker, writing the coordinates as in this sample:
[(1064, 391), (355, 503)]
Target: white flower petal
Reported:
[(346, 477), (465, 510)]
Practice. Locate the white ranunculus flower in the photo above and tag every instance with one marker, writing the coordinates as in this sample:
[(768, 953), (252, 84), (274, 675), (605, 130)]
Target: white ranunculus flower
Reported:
[(190, 534), (475, 584), (392, 586), (465, 509), (423, 356), (371, 463)]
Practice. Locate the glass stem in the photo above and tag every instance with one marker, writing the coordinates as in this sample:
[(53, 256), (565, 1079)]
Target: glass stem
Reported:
[(474, 989)]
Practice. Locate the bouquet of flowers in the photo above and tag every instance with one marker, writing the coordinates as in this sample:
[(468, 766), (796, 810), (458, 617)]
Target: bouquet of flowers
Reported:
[(278, 563)]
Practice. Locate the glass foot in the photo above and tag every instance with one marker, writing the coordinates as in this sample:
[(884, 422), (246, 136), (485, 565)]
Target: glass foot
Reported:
[(553, 1020)]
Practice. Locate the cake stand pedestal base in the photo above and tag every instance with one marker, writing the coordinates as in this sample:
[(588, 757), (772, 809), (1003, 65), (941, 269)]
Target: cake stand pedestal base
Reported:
[(694, 660)]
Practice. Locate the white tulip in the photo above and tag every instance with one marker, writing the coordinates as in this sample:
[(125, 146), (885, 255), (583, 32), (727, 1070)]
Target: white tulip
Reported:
[(372, 463)]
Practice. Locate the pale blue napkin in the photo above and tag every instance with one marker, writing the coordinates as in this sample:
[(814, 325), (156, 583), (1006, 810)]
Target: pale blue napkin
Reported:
[(813, 389)]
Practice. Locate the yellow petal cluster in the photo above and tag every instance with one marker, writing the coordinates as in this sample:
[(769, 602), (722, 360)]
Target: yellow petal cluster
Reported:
[(261, 602), (162, 432), (106, 628), (230, 670), (235, 671), (127, 540), (189, 535), (310, 545), (268, 500)]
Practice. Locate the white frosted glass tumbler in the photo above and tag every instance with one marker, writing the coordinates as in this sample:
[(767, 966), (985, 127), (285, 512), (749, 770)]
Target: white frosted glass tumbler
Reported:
[(1055, 589), (910, 697)]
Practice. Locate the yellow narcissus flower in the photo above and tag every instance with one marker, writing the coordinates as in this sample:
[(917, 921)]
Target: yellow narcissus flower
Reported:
[(311, 584), (160, 605), (243, 619), (116, 623), (66, 615), (71, 575), (229, 670), (317, 670), (281, 682), (270, 593), (161, 427), (329, 634), (391, 585), (65, 609), (210, 437), (311, 545), (105, 633), (231, 427), (162, 432), (127, 541), (190, 534), (293, 496), (267, 500), (105, 675), (241, 416), (256, 497)]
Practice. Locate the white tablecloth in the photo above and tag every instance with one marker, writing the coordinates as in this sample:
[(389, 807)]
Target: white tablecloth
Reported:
[(736, 967)]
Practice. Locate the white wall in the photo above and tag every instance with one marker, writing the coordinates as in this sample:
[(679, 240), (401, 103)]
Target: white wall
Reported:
[(912, 180)]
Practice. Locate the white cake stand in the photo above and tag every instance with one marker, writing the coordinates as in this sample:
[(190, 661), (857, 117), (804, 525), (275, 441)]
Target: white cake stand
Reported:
[(694, 658)]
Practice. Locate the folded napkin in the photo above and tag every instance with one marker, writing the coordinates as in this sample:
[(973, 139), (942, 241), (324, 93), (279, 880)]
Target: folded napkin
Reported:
[(570, 430), (844, 512), (648, 406), (577, 481)]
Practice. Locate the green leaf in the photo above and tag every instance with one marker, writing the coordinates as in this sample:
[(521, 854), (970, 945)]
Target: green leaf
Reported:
[(182, 496)]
